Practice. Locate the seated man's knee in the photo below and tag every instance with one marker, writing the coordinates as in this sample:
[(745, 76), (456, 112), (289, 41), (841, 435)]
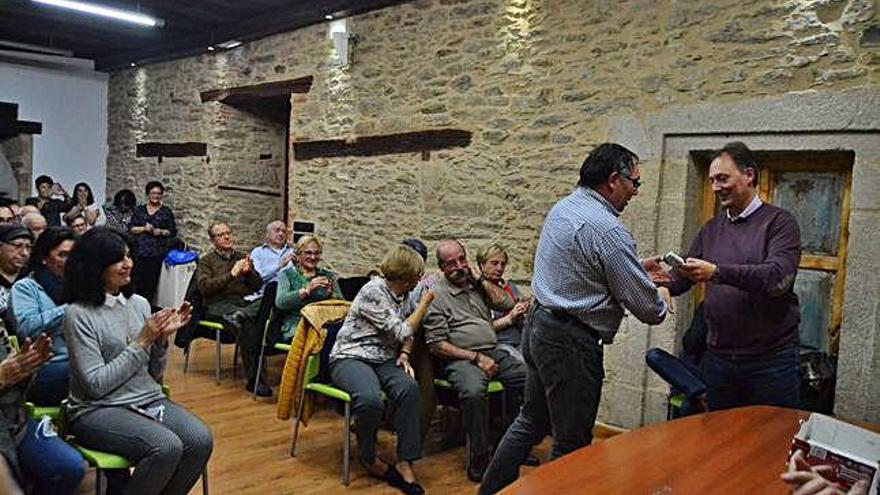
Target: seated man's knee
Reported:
[(471, 391)]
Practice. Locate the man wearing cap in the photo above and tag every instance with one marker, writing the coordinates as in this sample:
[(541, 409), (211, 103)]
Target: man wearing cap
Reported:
[(15, 249)]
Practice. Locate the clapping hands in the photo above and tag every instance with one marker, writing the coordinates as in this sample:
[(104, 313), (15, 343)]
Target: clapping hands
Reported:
[(163, 323), (20, 365)]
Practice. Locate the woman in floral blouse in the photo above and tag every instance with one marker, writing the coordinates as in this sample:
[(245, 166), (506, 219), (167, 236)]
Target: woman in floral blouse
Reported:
[(371, 355)]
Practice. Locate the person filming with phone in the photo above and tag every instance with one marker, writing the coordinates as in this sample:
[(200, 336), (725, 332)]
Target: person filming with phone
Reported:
[(748, 257)]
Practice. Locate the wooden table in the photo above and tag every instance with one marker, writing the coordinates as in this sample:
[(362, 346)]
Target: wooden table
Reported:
[(740, 451)]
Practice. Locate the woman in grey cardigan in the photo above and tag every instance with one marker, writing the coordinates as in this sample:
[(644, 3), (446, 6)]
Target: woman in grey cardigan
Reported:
[(371, 355), (118, 352)]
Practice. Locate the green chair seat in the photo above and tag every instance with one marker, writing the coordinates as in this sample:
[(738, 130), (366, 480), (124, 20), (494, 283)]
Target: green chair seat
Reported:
[(102, 460), (329, 391), (38, 412), (213, 325), (282, 347), (494, 386)]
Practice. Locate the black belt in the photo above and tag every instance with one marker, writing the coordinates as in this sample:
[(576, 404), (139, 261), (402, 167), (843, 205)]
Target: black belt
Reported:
[(566, 317)]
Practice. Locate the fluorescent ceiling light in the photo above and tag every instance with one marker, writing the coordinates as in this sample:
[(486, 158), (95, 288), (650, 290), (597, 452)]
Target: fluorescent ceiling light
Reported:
[(91, 8), (229, 45)]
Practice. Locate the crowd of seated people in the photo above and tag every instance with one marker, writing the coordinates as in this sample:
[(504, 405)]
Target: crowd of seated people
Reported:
[(78, 299)]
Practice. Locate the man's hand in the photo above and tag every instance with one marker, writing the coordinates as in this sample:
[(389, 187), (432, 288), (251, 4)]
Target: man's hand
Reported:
[(487, 364), (698, 270), (238, 269), (670, 303), (285, 259), (655, 270), (20, 365), (808, 480)]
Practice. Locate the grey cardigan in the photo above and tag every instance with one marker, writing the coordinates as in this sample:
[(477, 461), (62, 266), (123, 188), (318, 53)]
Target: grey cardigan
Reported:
[(107, 366)]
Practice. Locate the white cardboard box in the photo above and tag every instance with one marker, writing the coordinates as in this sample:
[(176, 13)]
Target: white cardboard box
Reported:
[(853, 452), (173, 281)]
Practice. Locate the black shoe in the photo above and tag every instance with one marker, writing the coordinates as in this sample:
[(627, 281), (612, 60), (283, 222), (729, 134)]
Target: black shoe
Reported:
[(393, 477), (477, 467), (263, 390), (532, 460)]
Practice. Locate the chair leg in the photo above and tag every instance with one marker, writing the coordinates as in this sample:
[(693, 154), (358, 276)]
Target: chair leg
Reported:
[(205, 481), (99, 481), (217, 358), (346, 444), (235, 361), (186, 356), (260, 365), (302, 403)]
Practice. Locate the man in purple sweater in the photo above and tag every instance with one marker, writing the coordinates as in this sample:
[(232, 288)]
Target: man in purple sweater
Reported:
[(748, 256)]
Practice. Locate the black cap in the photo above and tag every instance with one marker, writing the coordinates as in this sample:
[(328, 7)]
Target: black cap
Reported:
[(12, 231), (418, 246)]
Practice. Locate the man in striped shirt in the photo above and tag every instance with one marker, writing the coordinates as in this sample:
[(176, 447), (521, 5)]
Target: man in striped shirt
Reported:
[(586, 273)]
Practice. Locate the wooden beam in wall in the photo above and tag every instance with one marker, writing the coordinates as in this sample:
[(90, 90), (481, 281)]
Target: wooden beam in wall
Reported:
[(11, 126), (250, 190), (407, 142), (171, 149), (244, 94)]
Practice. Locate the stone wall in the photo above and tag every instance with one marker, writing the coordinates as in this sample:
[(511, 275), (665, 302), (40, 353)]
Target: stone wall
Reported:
[(19, 152), (539, 83)]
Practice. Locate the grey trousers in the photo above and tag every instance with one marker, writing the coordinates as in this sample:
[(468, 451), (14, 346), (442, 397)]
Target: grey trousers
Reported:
[(365, 382), (250, 337), (470, 383), (563, 388), (169, 456)]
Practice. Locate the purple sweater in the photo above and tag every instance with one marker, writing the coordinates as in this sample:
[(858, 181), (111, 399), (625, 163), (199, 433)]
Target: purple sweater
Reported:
[(750, 306)]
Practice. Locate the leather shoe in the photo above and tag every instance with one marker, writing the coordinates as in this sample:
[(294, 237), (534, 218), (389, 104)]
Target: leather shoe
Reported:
[(263, 390), (532, 460), (477, 467)]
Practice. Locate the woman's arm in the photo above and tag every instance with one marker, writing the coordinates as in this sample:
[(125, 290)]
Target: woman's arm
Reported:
[(31, 317), (292, 292)]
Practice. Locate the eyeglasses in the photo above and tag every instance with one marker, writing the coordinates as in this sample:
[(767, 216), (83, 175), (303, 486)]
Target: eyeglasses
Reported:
[(19, 246), (312, 253), (635, 182)]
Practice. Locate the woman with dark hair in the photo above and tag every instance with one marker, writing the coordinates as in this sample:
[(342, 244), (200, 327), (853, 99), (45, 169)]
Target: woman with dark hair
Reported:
[(119, 213), (38, 307), (84, 206), (153, 226), (118, 352)]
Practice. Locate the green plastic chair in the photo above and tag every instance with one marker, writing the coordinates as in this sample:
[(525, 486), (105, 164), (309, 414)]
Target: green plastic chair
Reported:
[(313, 366), (261, 361), (674, 404), (218, 329)]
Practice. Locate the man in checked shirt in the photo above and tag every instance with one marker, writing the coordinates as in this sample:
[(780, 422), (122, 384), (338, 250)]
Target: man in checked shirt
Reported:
[(586, 273)]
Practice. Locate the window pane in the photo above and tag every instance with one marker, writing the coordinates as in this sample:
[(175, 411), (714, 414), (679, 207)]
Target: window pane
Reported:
[(814, 198), (814, 290)]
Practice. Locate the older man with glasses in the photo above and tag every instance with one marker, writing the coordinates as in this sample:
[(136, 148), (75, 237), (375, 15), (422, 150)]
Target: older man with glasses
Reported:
[(224, 277), (15, 250)]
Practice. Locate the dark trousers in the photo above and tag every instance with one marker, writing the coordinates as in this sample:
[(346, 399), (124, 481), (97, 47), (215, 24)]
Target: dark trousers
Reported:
[(51, 384), (771, 379), (145, 275), (169, 456), (470, 383), (48, 462), (250, 336), (365, 382), (563, 387)]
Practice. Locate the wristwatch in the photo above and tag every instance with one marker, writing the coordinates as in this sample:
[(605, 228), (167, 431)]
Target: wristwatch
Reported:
[(476, 358)]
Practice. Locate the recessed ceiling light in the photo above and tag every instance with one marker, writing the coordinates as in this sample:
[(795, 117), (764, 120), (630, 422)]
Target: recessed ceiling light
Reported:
[(210, 48), (329, 17), (90, 8), (228, 45), (133, 64)]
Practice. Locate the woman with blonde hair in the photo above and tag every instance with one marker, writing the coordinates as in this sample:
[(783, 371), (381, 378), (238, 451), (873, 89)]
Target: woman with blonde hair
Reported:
[(371, 356), (304, 283)]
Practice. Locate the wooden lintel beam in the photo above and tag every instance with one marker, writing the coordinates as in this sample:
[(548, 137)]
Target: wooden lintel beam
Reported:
[(258, 91), (171, 149), (407, 142)]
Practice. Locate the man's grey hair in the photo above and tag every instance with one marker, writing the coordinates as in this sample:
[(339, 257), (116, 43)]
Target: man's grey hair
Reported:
[(30, 219)]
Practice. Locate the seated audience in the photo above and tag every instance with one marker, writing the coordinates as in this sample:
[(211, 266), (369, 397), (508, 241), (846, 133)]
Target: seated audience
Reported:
[(458, 330), (273, 255), (38, 459), (37, 306), (371, 355), (224, 277), (26, 210), (154, 227), (83, 205), (15, 249), (118, 352), (118, 214), (51, 208), (77, 224), (35, 222), (304, 283), (508, 326)]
